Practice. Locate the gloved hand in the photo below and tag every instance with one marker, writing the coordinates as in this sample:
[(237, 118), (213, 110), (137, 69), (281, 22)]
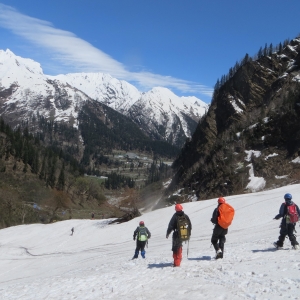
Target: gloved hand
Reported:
[(134, 238), (167, 236)]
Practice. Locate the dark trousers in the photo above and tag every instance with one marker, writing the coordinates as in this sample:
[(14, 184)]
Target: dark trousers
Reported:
[(287, 230), (140, 246), (218, 237)]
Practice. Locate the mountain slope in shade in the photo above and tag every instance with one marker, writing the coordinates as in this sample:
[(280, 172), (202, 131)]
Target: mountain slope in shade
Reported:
[(251, 129)]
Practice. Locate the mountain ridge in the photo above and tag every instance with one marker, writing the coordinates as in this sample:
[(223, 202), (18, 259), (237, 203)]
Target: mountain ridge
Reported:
[(256, 110), (23, 83)]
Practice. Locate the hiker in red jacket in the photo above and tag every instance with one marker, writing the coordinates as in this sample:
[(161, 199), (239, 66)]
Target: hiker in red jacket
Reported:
[(288, 222), (176, 241)]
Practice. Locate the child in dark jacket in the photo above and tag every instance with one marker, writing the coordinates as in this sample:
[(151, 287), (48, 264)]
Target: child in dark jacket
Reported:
[(287, 228), (143, 234)]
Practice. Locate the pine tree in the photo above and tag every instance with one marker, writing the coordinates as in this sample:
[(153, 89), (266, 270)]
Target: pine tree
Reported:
[(43, 169), (217, 85), (266, 50), (270, 49), (259, 53), (61, 178), (35, 163), (245, 59)]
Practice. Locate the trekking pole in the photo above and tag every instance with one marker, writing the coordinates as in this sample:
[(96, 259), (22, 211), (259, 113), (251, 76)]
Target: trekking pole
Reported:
[(187, 250)]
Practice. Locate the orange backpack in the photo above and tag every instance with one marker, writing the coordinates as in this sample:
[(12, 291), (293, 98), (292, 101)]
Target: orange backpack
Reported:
[(226, 214)]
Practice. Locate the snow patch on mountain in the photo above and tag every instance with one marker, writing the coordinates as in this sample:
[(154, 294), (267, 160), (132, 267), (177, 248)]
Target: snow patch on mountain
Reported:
[(159, 112), (159, 106)]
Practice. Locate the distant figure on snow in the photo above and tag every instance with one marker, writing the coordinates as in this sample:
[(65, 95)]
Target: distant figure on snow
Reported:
[(93, 215), (289, 212), (181, 226), (72, 230), (222, 218), (142, 234)]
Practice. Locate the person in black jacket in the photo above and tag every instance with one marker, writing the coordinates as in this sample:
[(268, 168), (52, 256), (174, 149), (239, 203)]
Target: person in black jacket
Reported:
[(286, 228), (218, 238), (143, 234), (176, 242)]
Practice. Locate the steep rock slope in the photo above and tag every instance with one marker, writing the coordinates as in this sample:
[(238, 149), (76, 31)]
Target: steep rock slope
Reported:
[(251, 131)]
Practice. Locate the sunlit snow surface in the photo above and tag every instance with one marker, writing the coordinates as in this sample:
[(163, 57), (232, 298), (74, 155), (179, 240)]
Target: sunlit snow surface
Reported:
[(45, 262)]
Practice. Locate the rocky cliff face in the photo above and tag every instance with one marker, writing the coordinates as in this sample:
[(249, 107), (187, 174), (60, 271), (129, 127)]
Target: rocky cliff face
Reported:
[(250, 137)]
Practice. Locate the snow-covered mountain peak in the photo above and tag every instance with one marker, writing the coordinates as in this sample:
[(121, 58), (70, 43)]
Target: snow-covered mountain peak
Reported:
[(11, 62), (165, 100), (159, 112), (118, 94)]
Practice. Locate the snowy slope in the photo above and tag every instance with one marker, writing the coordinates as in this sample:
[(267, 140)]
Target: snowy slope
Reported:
[(160, 106), (24, 89), (45, 262), (157, 108), (118, 94)]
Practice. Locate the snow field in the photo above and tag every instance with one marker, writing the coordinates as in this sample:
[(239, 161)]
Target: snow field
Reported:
[(46, 262)]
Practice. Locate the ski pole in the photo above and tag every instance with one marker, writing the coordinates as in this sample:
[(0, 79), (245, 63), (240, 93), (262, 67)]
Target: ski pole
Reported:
[(187, 250)]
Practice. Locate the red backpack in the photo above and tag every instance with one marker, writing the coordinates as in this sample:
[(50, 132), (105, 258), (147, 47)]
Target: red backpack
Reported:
[(292, 214), (226, 214)]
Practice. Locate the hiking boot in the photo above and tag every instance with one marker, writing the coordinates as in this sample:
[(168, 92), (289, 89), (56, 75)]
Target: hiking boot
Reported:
[(219, 254), (296, 247), (277, 246)]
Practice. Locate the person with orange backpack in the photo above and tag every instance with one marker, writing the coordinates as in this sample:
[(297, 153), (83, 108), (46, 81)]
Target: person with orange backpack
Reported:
[(222, 218), (289, 212), (181, 226)]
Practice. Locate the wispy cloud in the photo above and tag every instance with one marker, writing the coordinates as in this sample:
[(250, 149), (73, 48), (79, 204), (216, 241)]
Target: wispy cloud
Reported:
[(70, 50)]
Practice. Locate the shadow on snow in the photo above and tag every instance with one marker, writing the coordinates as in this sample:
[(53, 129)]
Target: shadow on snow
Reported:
[(160, 265), (265, 250), (200, 258)]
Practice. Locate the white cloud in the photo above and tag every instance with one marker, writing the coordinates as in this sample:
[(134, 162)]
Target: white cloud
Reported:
[(71, 50)]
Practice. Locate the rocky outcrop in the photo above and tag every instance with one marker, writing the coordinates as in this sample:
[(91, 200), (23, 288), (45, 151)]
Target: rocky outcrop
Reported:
[(259, 102)]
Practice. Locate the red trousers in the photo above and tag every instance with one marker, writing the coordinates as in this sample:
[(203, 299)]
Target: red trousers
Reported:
[(177, 257)]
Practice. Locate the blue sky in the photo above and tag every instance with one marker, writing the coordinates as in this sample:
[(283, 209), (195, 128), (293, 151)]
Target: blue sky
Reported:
[(182, 45)]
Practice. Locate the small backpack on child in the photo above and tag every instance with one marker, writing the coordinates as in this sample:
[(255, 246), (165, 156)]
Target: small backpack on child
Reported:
[(142, 235), (292, 214)]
